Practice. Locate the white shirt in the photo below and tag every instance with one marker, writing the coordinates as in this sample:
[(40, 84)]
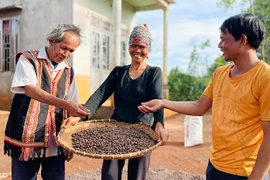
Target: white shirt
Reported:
[(26, 75)]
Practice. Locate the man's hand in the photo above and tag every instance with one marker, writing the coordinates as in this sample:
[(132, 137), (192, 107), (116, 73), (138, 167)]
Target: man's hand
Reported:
[(151, 106), (76, 110), (70, 122), (161, 134)]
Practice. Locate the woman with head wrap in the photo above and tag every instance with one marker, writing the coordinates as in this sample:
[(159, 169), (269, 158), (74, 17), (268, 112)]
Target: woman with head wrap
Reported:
[(131, 85)]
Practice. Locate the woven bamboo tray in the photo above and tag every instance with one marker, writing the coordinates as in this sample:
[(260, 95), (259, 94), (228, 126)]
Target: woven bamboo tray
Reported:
[(65, 138)]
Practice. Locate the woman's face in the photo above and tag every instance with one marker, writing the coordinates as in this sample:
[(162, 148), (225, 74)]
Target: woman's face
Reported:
[(62, 50), (138, 53)]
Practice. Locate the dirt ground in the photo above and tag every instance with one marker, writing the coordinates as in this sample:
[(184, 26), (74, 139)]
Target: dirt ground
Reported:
[(173, 157)]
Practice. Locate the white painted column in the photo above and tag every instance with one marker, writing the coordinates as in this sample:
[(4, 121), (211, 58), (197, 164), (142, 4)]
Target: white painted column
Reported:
[(116, 50), (117, 14), (165, 54)]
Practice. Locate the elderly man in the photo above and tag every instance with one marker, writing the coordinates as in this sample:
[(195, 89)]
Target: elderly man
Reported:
[(45, 93)]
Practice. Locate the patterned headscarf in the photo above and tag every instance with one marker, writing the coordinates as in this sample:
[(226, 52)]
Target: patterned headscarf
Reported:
[(140, 36)]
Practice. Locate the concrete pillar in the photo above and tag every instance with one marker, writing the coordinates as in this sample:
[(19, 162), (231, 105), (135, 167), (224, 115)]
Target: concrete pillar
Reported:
[(165, 54), (117, 14)]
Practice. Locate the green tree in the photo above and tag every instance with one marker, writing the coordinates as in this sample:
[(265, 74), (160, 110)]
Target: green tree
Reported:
[(260, 8), (184, 87), (218, 62), (189, 86), (197, 62)]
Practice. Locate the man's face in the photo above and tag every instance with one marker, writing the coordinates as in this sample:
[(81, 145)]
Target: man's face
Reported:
[(62, 50), (229, 46)]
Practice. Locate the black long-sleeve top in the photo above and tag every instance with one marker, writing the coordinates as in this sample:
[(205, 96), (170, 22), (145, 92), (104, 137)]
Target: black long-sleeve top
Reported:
[(128, 95)]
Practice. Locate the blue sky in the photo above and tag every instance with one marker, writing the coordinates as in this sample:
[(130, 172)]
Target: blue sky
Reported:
[(190, 23)]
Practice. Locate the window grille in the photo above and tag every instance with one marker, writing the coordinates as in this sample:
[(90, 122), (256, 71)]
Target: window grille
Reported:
[(105, 52), (8, 43), (95, 50), (123, 53)]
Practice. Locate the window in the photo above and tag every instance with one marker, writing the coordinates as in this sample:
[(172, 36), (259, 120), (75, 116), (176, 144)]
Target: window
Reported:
[(124, 46), (8, 43), (123, 53), (1, 44), (100, 42), (100, 51), (95, 52), (105, 62)]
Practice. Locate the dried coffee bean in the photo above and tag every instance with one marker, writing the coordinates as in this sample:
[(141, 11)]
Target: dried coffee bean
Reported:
[(111, 140)]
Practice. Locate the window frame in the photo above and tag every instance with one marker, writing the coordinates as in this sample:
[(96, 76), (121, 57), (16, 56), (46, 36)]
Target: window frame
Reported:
[(1, 45), (14, 28)]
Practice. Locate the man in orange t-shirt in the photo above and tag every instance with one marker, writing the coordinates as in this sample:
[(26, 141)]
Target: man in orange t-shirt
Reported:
[(239, 96)]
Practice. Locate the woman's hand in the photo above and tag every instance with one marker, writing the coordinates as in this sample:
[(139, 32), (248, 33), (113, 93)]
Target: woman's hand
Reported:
[(68, 155), (161, 134), (70, 122)]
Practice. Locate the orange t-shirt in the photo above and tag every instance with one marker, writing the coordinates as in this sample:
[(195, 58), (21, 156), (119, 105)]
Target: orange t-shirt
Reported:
[(239, 105)]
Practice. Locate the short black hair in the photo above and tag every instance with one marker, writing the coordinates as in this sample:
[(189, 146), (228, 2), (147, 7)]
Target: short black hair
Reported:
[(247, 24)]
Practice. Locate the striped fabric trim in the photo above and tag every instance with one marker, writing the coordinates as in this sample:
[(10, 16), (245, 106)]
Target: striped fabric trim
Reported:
[(31, 123), (33, 113), (68, 74), (54, 91), (23, 144)]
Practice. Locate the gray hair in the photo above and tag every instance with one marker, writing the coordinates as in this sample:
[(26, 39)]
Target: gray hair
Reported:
[(58, 33)]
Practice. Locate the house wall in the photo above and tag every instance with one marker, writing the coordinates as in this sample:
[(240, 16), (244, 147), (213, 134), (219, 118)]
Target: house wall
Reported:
[(6, 77), (39, 17), (105, 8), (36, 19), (5, 94), (86, 75), (6, 3)]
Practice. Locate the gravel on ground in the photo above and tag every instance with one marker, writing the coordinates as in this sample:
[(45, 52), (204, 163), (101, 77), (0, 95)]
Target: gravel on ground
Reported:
[(153, 174)]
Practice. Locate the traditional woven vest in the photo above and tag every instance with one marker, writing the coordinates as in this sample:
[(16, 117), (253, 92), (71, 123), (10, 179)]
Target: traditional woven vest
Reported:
[(30, 121)]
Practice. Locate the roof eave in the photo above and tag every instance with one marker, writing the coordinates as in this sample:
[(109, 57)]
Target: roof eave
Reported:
[(12, 7)]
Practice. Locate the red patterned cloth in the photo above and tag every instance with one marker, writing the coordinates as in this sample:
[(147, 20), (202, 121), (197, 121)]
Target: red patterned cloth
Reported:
[(140, 36)]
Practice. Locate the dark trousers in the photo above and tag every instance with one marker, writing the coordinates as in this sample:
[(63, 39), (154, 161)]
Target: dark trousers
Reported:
[(213, 174), (137, 168), (53, 168)]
